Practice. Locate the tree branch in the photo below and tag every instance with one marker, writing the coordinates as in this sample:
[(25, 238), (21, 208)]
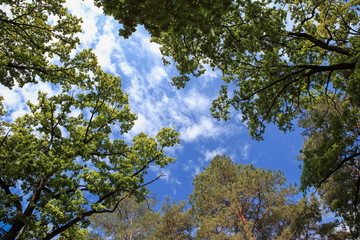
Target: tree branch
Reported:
[(7, 191), (338, 167), (320, 43), (91, 212)]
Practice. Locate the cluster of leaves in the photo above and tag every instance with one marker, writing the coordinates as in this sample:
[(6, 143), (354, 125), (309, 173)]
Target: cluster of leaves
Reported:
[(65, 159), (230, 201), (32, 34)]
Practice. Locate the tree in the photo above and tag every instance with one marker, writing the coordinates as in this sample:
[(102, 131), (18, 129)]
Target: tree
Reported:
[(65, 160), (230, 201), (137, 220), (57, 168), (131, 220), (175, 222), (37, 38), (331, 157), (276, 55), (233, 201)]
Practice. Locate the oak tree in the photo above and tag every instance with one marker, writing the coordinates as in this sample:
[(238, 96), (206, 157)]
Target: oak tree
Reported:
[(331, 155), (37, 38), (275, 56), (66, 159)]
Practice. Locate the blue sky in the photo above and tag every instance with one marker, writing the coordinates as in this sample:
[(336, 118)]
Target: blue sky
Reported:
[(147, 81)]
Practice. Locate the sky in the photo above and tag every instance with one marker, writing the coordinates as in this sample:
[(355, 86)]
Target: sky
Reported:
[(158, 104)]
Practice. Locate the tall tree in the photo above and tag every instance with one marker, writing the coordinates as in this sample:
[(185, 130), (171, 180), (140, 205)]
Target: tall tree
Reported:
[(138, 220), (175, 222), (230, 201), (131, 220), (331, 157), (58, 168), (275, 55), (233, 201), (65, 160)]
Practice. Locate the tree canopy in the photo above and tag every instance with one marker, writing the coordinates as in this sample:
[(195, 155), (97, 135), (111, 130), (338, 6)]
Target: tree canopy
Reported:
[(234, 201), (65, 160), (281, 60), (276, 56), (330, 157), (132, 220), (37, 39), (229, 201)]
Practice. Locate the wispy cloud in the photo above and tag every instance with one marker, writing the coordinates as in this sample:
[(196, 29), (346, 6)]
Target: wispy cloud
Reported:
[(245, 151), (210, 154)]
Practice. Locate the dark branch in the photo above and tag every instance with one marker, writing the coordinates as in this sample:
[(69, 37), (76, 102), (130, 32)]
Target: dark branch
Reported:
[(91, 212), (6, 188), (320, 43), (272, 84), (338, 167)]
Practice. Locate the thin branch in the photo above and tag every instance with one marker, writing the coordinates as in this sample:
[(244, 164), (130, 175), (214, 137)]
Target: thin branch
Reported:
[(7, 191), (4, 139), (312, 13), (272, 84), (91, 212), (337, 168), (24, 24), (275, 99), (42, 70)]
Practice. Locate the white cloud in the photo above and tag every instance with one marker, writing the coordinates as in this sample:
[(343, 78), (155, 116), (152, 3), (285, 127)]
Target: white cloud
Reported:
[(196, 101), (126, 68), (193, 167), (142, 124), (7, 9), (90, 16), (166, 174), (103, 50), (151, 47), (12, 98), (245, 151), (204, 128), (156, 75), (210, 154), (15, 100)]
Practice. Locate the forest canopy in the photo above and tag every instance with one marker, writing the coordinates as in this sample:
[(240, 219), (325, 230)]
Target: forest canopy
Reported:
[(282, 61)]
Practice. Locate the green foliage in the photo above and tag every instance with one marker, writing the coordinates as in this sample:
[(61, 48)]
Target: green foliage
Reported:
[(175, 222), (65, 160), (58, 167), (233, 201), (230, 201), (281, 60), (137, 220), (331, 156), (131, 220), (34, 34), (278, 54)]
